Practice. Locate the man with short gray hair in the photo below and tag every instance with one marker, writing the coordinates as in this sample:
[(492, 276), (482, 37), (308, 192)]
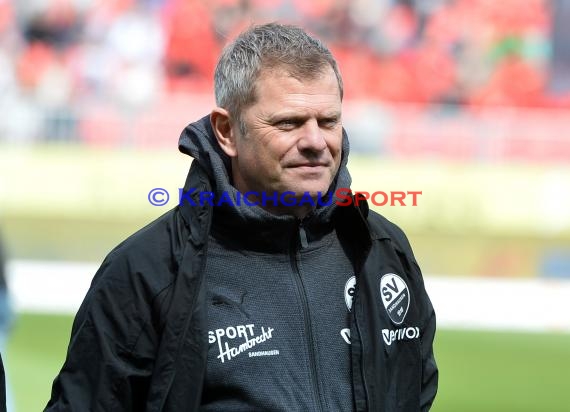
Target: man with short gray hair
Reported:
[(270, 287)]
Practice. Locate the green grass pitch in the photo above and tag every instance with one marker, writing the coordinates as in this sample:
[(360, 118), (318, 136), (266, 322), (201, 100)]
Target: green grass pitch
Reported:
[(479, 371)]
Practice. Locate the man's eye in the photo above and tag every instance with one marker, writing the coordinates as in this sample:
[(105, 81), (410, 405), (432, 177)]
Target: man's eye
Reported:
[(328, 123), (287, 124)]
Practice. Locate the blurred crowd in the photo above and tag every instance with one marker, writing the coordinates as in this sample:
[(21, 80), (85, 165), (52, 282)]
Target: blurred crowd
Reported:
[(69, 66)]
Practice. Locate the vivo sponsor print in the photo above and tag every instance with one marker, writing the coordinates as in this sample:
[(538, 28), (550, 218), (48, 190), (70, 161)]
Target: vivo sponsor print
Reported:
[(345, 333), (391, 336)]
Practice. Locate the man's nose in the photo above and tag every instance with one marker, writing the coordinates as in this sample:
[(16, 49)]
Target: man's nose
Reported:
[(312, 137)]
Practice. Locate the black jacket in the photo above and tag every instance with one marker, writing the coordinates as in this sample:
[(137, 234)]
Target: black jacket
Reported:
[(2, 387), (139, 340)]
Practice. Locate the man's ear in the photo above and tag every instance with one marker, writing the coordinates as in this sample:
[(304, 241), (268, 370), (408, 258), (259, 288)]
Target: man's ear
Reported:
[(222, 125)]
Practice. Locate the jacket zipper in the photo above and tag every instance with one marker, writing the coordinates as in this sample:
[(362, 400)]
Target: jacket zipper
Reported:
[(302, 240), (362, 373), (359, 268)]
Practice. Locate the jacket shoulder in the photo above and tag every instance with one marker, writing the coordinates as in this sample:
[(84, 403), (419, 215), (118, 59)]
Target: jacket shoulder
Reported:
[(148, 259), (382, 228)]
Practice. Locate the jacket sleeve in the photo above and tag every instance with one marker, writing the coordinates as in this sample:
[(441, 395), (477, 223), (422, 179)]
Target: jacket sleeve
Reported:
[(430, 371), (111, 351)]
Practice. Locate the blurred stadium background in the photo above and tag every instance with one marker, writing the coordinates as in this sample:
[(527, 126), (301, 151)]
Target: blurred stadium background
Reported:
[(467, 101)]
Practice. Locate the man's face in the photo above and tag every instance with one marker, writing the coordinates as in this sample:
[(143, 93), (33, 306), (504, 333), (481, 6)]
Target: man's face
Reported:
[(293, 135)]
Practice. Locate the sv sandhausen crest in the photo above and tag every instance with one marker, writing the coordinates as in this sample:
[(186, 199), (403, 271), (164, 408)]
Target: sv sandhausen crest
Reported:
[(349, 289), (395, 297)]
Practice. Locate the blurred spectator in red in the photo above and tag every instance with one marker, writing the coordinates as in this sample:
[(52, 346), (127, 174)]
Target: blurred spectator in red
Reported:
[(191, 47), (514, 82), (53, 22)]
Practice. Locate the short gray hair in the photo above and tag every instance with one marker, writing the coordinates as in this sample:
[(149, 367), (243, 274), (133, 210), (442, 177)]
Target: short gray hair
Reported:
[(267, 46)]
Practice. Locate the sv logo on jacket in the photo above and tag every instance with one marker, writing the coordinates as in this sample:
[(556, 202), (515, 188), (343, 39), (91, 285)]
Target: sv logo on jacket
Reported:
[(395, 297)]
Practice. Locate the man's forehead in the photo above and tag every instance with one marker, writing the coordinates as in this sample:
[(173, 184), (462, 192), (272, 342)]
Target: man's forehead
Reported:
[(302, 112), (318, 83), (285, 70)]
